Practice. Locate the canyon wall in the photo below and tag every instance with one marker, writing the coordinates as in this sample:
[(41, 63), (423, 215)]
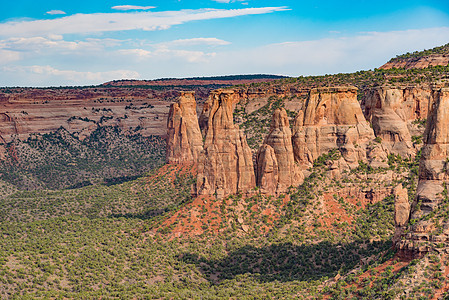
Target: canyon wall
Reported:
[(331, 119), (397, 114), (428, 225), (24, 112)]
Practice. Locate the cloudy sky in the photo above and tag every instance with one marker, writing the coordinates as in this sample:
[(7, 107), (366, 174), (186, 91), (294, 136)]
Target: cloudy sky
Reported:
[(52, 43)]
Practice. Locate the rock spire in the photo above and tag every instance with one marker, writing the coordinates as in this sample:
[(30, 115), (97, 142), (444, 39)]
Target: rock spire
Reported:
[(184, 140)]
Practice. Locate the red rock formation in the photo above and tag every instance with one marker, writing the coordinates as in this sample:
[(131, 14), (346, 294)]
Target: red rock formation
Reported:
[(433, 177), (418, 62), (276, 167), (331, 119), (401, 211), (225, 166), (184, 140), (392, 111)]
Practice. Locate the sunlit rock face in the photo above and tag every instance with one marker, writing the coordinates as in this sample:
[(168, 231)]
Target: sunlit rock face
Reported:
[(276, 167), (184, 140), (225, 166), (428, 226), (331, 119)]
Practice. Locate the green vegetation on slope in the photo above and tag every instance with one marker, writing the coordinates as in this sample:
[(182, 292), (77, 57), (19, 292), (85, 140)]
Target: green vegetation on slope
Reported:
[(100, 241), (60, 160), (444, 50)]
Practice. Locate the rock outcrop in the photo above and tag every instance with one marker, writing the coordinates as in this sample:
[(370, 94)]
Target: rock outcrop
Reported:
[(276, 167), (225, 166), (184, 139), (418, 62), (331, 119), (428, 226), (401, 211), (393, 112)]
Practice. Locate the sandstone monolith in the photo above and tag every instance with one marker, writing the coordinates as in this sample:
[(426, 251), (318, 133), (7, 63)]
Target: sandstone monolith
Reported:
[(276, 167), (184, 140), (225, 166)]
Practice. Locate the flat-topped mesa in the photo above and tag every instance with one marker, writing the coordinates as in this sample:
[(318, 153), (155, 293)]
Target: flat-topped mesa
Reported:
[(393, 112), (184, 140), (331, 119), (428, 225), (225, 166), (276, 167)]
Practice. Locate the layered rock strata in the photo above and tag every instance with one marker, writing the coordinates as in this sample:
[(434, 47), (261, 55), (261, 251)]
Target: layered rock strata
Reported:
[(225, 166), (184, 139), (331, 119), (394, 112), (276, 167), (429, 226), (418, 62)]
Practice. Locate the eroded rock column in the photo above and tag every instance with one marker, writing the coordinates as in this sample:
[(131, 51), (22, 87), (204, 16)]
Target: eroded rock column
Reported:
[(184, 139), (225, 166), (276, 167), (428, 223)]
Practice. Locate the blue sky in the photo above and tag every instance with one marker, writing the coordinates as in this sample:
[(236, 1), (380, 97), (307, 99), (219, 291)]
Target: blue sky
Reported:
[(45, 43)]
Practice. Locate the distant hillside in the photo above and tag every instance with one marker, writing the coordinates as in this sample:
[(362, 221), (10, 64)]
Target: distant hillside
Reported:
[(194, 81), (438, 56)]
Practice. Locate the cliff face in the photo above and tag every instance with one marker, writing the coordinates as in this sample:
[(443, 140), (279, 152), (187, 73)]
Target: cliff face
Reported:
[(428, 225), (418, 62), (24, 112), (184, 140), (393, 113), (276, 168), (225, 166), (331, 118)]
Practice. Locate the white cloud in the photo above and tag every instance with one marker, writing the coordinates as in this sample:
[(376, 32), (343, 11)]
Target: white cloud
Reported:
[(49, 73), (132, 7), (54, 44), (7, 56), (167, 55), (56, 12), (332, 55), (103, 22), (52, 59), (196, 41)]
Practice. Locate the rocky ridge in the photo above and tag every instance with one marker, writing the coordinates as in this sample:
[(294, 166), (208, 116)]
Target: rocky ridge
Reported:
[(331, 118), (418, 62)]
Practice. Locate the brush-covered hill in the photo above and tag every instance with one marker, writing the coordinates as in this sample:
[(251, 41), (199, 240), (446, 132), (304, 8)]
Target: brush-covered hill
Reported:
[(438, 56)]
